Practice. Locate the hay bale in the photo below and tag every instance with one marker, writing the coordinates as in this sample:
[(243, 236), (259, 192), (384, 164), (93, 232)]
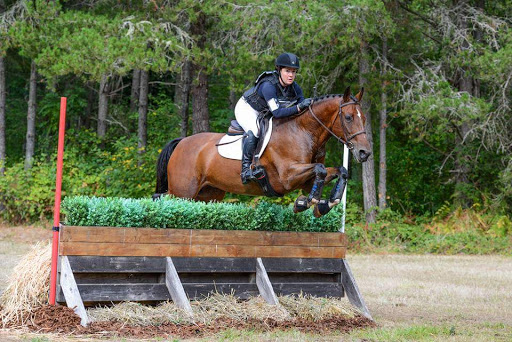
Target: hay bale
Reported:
[(317, 308), (28, 285), (138, 314)]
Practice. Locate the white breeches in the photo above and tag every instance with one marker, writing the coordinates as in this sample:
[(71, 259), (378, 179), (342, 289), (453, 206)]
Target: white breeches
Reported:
[(246, 116)]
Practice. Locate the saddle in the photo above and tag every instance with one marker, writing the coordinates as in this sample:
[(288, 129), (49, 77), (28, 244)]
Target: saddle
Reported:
[(258, 169)]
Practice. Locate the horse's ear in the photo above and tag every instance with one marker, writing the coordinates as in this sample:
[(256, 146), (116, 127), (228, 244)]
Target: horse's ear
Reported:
[(359, 95), (346, 95)]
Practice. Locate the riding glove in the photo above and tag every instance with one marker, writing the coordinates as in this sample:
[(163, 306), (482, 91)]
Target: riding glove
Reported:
[(304, 104)]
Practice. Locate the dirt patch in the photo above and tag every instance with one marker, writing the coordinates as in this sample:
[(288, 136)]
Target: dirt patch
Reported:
[(24, 234), (61, 319)]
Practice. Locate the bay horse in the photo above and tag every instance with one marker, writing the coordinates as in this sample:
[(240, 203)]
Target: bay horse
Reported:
[(192, 168)]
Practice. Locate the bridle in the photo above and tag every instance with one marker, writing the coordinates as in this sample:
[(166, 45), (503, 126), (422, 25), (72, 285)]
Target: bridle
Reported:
[(346, 133)]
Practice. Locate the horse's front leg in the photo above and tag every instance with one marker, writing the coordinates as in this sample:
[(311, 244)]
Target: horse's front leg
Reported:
[(324, 206), (295, 176)]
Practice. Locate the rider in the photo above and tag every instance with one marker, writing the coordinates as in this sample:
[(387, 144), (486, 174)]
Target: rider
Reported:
[(275, 92)]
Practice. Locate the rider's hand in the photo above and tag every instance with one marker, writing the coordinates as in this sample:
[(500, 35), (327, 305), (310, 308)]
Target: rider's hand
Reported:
[(304, 104)]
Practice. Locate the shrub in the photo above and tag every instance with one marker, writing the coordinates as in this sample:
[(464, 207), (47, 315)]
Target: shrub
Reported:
[(171, 212)]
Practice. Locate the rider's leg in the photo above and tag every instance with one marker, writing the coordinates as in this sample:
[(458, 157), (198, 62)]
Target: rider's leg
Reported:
[(247, 118), (249, 145)]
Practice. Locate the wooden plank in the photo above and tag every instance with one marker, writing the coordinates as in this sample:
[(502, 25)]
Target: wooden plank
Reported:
[(302, 265), (108, 264), (214, 265), (354, 296), (313, 289), (173, 283), (199, 237), (71, 292), (119, 278), (111, 264), (162, 250), (264, 284), (123, 292), (200, 291), (126, 235), (108, 293), (303, 277), (230, 278)]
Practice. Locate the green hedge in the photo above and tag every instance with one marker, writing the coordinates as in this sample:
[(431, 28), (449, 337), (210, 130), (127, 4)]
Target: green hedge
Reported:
[(179, 213)]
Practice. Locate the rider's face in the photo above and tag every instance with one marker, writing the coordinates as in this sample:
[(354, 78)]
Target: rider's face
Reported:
[(288, 76)]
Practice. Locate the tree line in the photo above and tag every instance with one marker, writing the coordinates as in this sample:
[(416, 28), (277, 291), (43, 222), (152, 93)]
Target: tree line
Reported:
[(437, 75)]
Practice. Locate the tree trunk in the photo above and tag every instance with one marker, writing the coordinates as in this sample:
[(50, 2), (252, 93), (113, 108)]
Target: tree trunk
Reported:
[(134, 98), (31, 118), (2, 116), (143, 111), (369, 192), (200, 114), (383, 127), (183, 96), (232, 99), (465, 83), (103, 107)]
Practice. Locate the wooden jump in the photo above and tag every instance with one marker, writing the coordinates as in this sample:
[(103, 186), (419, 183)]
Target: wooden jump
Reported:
[(109, 264)]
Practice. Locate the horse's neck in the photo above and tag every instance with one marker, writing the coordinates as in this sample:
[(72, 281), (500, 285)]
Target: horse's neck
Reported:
[(325, 111)]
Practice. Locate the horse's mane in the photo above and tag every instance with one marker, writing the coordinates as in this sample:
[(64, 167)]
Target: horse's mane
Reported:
[(326, 97)]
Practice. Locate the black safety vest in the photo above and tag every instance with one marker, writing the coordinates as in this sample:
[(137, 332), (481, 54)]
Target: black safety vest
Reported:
[(286, 96)]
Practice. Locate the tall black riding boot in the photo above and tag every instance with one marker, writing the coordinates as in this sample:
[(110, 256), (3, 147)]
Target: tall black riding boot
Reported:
[(249, 145)]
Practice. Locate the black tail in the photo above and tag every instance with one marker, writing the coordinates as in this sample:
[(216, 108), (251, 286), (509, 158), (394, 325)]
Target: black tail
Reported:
[(161, 166)]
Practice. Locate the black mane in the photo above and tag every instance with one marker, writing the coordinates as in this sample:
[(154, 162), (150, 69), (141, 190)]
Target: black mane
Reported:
[(326, 97)]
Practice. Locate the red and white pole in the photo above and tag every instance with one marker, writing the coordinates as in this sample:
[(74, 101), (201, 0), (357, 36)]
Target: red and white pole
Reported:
[(56, 212)]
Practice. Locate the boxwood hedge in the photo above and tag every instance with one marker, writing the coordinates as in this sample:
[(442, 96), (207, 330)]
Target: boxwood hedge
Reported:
[(171, 212)]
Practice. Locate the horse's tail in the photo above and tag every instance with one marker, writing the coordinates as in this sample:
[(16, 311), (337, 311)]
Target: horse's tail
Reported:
[(161, 166)]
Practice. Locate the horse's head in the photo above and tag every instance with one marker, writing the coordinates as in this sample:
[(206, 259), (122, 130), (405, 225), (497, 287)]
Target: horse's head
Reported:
[(350, 125)]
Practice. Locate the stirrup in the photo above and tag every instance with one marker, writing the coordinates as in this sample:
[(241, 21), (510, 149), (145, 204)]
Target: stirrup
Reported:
[(247, 176)]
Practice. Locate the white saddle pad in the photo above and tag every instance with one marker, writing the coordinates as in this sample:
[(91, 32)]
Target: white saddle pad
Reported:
[(234, 149)]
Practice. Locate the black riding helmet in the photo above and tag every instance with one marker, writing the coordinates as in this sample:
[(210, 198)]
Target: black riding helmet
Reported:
[(287, 60)]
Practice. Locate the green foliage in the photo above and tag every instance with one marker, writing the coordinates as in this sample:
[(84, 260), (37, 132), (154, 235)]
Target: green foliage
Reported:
[(179, 213), (452, 232)]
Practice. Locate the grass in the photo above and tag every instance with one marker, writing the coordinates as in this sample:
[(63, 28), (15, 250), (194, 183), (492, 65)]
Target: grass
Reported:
[(455, 298)]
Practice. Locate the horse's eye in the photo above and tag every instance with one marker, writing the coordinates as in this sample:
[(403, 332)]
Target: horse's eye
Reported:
[(348, 117)]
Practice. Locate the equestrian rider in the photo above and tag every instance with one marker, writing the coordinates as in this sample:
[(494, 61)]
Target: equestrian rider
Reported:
[(274, 92)]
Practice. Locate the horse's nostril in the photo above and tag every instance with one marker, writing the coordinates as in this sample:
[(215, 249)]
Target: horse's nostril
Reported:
[(363, 155)]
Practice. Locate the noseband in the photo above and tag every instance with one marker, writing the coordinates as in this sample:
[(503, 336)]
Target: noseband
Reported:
[(346, 133)]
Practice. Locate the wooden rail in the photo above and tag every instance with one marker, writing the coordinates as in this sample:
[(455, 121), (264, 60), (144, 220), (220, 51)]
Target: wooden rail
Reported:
[(114, 241)]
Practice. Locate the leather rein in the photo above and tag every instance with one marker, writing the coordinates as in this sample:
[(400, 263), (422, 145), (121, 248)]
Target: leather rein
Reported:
[(346, 133)]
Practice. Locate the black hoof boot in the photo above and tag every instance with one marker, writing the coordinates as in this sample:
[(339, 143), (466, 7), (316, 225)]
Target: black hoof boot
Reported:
[(301, 204), (321, 208)]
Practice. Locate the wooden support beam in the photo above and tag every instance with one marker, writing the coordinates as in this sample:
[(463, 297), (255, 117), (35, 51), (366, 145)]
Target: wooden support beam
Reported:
[(349, 284), (173, 283), (264, 284), (70, 290)]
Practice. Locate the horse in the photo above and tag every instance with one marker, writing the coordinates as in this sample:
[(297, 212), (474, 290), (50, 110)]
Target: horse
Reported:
[(192, 168)]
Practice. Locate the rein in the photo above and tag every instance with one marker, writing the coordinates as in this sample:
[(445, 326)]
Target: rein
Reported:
[(343, 126)]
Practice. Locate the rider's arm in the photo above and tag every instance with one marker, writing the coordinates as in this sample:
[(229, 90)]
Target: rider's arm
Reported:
[(269, 93)]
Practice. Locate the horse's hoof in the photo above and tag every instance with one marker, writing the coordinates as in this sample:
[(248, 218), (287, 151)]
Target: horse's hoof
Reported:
[(301, 204), (321, 208)]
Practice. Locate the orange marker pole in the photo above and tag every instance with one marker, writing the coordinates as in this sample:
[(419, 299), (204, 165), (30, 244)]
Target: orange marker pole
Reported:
[(56, 212)]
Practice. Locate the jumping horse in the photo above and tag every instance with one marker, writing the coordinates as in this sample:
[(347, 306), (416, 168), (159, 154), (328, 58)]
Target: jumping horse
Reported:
[(294, 158)]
